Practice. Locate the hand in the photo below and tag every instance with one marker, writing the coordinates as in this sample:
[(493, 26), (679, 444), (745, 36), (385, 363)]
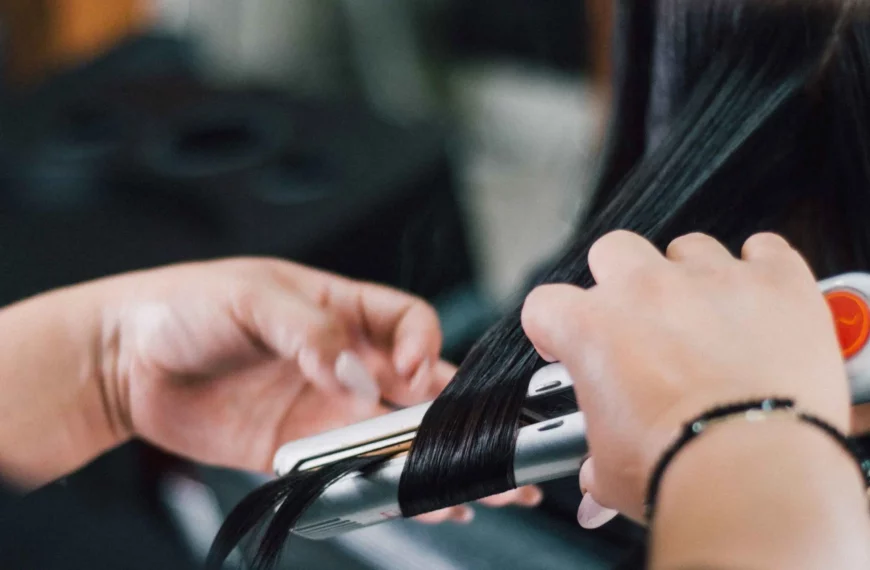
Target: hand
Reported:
[(660, 340), (224, 362)]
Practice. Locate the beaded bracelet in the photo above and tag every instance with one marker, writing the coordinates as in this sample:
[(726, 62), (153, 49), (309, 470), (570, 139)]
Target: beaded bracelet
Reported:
[(748, 411)]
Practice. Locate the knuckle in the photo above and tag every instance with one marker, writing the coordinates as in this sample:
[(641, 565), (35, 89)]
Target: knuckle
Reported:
[(245, 297), (604, 246), (796, 262), (650, 283), (691, 238), (533, 301), (261, 270), (534, 312), (721, 275), (782, 260), (688, 242), (322, 330), (767, 241), (428, 313)]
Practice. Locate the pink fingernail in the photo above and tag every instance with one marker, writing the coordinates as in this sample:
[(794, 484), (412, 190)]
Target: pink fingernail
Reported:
[(354, 375), (591, 515), (467, 515), (423, 372), (536, 498), (309, 362), (404, 360)]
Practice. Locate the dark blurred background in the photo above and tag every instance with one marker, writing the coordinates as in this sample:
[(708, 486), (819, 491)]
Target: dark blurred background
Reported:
[(444, 147)]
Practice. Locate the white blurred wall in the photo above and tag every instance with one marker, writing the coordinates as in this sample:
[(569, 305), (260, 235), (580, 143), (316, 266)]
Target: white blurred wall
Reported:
[(528, 160)]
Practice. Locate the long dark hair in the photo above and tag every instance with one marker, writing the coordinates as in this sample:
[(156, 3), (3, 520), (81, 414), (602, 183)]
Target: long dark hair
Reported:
[(731, 117)]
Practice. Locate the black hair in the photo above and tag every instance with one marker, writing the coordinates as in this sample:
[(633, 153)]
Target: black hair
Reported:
[(731, 117)]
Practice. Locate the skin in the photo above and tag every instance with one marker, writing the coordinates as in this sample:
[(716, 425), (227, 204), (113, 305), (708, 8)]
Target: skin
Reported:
[(220, 362), (661, 339)]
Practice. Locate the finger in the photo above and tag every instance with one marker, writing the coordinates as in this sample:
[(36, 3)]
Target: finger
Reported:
[(404, 324), (530, 496), (352, 372), (621, 253), (776, 256), (545, 356), (410, 392), (411, 326), (588, 481), (500, 500), (400, 325), (698, 249), (460, 513), (591, 514), (430, 382), (293, 328), (765, 246), (443, 373), (553, 317), (861, 420), (587, 475)]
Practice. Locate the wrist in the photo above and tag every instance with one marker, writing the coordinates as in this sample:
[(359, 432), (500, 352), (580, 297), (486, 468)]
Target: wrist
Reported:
[(763, 494), (57, 403), (109, 375)]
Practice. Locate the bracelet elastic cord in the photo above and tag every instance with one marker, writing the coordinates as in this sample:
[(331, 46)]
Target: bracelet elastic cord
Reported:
[(748, 411)]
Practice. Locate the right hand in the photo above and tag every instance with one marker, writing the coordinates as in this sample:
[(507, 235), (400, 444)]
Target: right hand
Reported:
[(661, 339)]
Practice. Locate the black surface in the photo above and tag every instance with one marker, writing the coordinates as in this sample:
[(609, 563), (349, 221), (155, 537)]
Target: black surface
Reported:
[(55, 530), (114, 176), (549, 33), (134, 161)]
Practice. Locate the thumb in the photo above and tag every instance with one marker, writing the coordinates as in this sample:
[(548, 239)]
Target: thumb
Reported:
[(552, 317), (591, 514), (295, 329)]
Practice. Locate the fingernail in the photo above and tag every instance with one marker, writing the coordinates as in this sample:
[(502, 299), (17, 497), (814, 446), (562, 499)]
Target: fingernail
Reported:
[(354, 375), (423, 372), (535, 497), (404, 359), (591, 515), (467, 515), (309, 362)]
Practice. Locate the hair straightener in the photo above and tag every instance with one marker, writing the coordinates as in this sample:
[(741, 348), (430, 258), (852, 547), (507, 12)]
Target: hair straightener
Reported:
[(550, 445)]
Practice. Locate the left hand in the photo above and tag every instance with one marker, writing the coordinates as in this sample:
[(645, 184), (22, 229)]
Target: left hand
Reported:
[(224, 362)]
